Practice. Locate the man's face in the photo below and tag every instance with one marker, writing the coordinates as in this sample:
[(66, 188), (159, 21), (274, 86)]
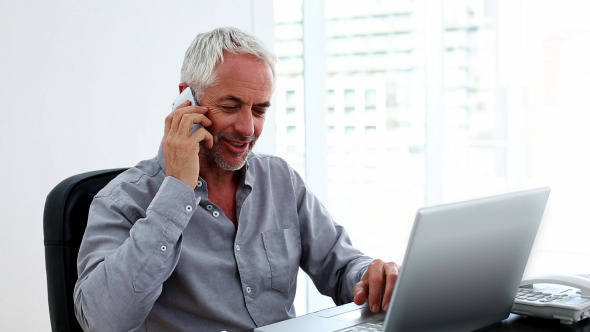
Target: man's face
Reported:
[(237, 107)]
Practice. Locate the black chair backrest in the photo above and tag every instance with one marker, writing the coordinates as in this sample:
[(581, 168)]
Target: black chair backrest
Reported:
[(64, 221)]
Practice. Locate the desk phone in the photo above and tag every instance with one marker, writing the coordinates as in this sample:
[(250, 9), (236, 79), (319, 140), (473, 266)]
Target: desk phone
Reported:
[(563, 297)]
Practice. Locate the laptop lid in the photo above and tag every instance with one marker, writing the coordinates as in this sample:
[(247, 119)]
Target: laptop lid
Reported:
[(464, 262)]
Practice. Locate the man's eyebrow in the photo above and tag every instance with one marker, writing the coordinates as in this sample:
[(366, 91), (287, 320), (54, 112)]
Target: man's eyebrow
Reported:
[(239, 100), (263, 104)]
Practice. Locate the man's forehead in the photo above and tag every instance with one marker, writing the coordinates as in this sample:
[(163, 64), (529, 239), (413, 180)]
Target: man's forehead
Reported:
[(263, 102), (244, 78)]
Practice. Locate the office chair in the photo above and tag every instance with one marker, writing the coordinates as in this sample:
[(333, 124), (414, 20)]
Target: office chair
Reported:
[(64, 221)]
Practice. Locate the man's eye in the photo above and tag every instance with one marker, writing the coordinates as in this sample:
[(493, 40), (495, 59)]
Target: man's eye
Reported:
[(231, 108), (259, 112)]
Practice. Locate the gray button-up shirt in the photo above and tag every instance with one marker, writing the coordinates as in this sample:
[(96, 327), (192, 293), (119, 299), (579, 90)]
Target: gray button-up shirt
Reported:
[(158, 255)]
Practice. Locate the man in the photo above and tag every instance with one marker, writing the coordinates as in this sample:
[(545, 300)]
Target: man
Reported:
[(209, 235)]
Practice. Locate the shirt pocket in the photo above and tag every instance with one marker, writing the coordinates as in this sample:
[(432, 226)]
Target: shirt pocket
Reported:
[(283, 251)]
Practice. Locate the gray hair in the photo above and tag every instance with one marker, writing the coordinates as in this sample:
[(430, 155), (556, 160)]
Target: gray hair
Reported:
[(206, 50)]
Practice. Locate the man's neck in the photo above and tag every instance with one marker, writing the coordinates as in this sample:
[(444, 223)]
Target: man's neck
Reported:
[(218, 178)]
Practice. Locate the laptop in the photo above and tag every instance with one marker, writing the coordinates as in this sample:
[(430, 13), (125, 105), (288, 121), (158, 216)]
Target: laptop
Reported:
[(461, 270)]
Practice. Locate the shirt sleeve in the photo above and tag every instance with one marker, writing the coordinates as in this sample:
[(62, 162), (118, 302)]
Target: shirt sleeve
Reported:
[(127, 253), (328, 256)]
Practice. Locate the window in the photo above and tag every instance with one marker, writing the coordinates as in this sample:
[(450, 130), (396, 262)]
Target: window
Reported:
[(553, 135), (432, 102)]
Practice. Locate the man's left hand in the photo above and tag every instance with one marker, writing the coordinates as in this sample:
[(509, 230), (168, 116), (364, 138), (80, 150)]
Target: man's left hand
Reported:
[(377, 285)]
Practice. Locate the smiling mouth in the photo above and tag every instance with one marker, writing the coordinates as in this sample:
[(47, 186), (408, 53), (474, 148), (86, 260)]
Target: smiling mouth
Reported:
[(237, 144), (237, 147)]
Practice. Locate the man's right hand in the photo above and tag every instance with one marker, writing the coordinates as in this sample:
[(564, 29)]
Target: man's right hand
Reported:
[(181, 148)]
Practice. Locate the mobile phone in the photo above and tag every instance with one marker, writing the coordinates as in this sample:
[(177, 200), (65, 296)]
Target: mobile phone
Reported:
[(186, 94)]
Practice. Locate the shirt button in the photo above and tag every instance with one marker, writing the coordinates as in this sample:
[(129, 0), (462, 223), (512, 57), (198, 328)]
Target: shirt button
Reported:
[(209, 207), (188, 208), (248, 290), (237, 247), (215, 214), (199, 183), (163, 248)]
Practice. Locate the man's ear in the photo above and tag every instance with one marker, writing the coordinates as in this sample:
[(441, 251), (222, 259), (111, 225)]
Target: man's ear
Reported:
[(182, 86)]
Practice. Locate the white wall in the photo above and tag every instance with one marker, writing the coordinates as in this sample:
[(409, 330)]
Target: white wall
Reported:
[(86, 85)]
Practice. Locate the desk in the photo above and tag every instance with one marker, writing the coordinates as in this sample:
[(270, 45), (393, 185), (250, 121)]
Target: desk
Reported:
[(530, 324)]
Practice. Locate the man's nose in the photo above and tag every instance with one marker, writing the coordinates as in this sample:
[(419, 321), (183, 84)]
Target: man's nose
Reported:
[(244, 124)]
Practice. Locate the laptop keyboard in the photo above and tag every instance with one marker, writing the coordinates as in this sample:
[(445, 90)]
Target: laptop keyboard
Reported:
[(366, 326)]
